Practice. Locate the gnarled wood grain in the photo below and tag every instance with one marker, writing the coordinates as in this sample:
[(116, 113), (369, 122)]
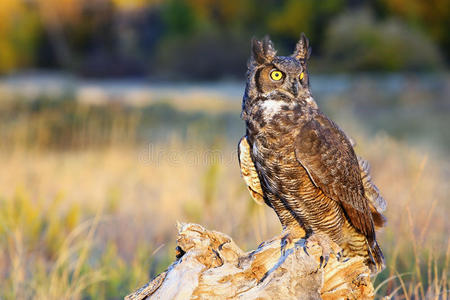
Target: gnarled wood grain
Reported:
[(211, 266)]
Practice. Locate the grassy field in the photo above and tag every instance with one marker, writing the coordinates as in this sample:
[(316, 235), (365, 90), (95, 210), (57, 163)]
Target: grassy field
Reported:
[(90, 196)]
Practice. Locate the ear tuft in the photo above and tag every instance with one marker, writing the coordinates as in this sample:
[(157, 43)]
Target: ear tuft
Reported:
[(257, 51), (269, 49), (302, 49), (263, 51)]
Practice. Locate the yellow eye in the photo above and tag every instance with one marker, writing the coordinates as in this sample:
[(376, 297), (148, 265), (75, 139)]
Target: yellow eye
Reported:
[(276, 75), (302, 75)]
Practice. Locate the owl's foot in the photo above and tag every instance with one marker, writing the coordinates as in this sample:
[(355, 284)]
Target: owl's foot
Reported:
[(340, 255), (327, 246), (288, 238)]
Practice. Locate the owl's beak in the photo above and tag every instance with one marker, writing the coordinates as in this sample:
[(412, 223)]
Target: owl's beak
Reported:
[(295, 87)]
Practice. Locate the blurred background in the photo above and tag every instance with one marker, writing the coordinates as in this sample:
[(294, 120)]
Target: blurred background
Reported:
[(119, 118)]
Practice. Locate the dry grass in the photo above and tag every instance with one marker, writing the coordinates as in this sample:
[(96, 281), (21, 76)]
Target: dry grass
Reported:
[(98, 222)]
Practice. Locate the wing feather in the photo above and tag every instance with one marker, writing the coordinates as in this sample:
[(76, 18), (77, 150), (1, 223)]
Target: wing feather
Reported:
[(371, 190), (248, 171), (327, 155)]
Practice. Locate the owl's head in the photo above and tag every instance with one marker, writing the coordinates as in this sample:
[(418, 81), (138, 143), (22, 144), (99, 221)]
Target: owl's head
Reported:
[(269, 75)]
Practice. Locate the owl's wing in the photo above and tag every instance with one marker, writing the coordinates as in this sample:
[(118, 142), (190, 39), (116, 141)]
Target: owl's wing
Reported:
[(328, 157), (370, 189), (248, 171)]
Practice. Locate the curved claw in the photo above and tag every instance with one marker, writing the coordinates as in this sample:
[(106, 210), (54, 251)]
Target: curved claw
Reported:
[(283, 247), (306, 251), (339, 255), (323, 261), (302, 243), (285, 241), (328, 247)]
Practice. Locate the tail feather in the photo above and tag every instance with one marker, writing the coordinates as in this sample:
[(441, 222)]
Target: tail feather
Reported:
[(376, 259), (378, 219)]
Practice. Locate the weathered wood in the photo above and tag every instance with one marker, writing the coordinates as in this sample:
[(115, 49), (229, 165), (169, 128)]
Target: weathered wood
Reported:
[(211, 266)]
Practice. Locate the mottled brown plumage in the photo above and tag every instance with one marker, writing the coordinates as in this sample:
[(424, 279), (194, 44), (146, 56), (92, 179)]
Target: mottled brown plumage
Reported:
[(301, 163)]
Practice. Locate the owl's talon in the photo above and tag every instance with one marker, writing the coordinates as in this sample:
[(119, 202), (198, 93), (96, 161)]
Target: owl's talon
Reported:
[(339, 255), (289, 238), (323, 261), (327, 246), (283, 248), (285, 240), (306, 251), (301, 243)]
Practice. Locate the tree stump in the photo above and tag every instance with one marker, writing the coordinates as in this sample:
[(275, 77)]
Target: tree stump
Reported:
[(210, 265)]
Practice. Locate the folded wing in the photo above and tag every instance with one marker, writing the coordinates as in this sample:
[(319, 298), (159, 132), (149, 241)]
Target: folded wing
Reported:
[(328, 157)]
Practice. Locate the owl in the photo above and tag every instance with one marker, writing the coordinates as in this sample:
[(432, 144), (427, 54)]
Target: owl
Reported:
[(301, 164)]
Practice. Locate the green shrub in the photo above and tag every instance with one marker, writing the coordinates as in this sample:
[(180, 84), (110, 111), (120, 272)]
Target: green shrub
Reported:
[(357, 41)]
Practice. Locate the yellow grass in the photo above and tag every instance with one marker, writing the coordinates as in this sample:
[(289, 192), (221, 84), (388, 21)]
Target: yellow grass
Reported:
[(98, 222)]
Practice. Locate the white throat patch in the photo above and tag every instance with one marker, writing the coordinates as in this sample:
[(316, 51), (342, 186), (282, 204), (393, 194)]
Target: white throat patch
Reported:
[(272, 107)]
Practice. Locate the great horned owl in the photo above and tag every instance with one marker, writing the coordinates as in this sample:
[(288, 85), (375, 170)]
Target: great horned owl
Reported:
[(301, 163)]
